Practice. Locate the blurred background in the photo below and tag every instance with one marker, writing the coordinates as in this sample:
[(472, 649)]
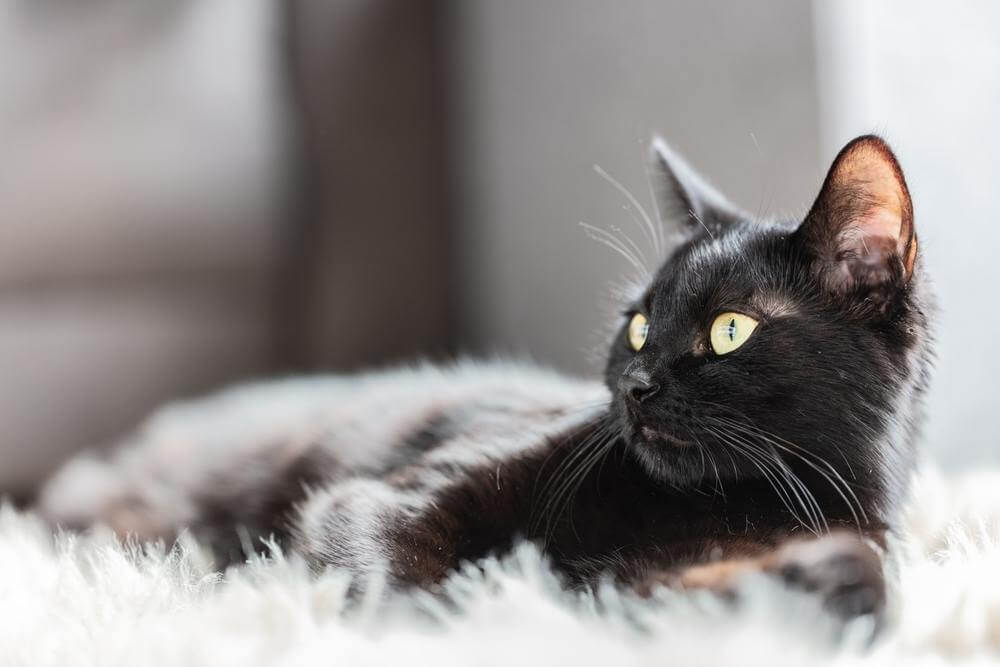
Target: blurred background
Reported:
[(199, 192)]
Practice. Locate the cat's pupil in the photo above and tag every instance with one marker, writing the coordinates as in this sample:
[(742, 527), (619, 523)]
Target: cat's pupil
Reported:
[(732, 329)]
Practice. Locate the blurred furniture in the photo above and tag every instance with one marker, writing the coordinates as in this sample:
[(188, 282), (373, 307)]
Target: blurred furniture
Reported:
[(375, 236), (199, 192)]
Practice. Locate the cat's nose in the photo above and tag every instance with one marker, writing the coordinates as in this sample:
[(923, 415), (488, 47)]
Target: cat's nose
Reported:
[(637, 388)]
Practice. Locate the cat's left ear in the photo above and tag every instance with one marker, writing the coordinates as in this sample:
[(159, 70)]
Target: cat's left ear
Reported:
[(684, 199), (861, 227)]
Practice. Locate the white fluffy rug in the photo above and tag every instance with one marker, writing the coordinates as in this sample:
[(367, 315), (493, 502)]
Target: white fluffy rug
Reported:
[(91, 601)]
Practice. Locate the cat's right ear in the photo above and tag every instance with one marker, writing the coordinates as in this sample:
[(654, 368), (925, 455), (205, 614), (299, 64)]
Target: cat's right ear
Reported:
[(686, 201), (860, 230)]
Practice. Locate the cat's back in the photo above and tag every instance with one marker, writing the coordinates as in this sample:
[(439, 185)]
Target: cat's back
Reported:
[(361, 418), (249, 436)]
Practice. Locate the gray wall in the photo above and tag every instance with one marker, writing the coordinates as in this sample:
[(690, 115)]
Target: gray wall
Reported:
[(546, 89)]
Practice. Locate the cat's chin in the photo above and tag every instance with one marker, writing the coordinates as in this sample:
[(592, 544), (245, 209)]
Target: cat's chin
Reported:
[(676, 466), (668, 458)]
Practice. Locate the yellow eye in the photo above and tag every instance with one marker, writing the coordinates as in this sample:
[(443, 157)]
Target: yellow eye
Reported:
[(638, 328), (730, 330)]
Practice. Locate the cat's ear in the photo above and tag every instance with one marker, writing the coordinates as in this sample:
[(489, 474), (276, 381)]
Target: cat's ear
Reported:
[(860, 229), (684, 199)]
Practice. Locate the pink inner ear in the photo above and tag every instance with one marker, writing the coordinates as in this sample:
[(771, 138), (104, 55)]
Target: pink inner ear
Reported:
[(869, 173), (873, 237), (875, 231), (865, 204)]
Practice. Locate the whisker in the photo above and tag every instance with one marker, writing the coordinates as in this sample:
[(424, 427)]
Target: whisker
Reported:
[(718, 478), (805, 497), (754, 460), (706, 452), (606, 238), (763, 465), (632, 244), (839, 485), (585, 469), (649, 228), (563, 465), (660, 240), (701, 222), (570, 460), (841, 488), (560, 489), (795, 484), (838, 488)]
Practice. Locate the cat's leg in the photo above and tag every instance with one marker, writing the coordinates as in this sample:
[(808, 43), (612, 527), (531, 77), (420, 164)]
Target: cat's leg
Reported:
[(468, 497), (845, 571), (842, 569), (361, 525), (417, 526), (419, 523)]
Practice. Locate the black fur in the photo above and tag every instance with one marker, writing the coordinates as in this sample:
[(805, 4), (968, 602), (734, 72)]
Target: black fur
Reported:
[(806, 429), (828, 389)]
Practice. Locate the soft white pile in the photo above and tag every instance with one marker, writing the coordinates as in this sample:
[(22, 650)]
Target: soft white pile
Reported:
[(91, 601)]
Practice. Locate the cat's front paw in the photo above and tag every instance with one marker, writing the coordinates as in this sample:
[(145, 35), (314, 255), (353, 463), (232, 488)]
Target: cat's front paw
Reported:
[(842, 569)]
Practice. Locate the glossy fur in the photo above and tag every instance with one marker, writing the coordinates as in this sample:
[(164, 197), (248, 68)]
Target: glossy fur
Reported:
[(726, 463)]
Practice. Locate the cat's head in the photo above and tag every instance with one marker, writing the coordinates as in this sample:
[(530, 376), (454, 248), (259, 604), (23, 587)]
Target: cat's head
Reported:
[(805, 340)]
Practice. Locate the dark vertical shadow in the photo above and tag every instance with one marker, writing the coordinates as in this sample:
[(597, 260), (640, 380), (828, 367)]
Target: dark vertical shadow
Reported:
[(368, 271)]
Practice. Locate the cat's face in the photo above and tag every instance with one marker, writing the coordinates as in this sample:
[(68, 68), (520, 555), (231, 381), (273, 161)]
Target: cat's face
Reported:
[(805, 341)]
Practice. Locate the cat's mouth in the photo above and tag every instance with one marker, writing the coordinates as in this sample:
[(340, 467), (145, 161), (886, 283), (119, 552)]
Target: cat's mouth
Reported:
[(647, 429), (651, 435)]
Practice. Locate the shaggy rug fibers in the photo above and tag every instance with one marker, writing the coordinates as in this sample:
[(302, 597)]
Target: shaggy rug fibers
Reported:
[(92, 601)]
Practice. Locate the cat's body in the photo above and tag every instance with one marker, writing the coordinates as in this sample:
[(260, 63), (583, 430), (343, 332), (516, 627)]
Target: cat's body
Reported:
[(764, 391), (273, 457), (286, 458)]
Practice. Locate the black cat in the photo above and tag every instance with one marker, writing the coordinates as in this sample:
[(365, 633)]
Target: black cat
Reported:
[(761, 404)]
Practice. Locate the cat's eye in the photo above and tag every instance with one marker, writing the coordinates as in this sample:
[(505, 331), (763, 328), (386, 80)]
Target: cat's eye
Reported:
[(730, 330), (638, 329)]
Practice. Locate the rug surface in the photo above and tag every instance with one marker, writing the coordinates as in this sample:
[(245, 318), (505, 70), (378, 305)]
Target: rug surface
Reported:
[(88, 600)]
